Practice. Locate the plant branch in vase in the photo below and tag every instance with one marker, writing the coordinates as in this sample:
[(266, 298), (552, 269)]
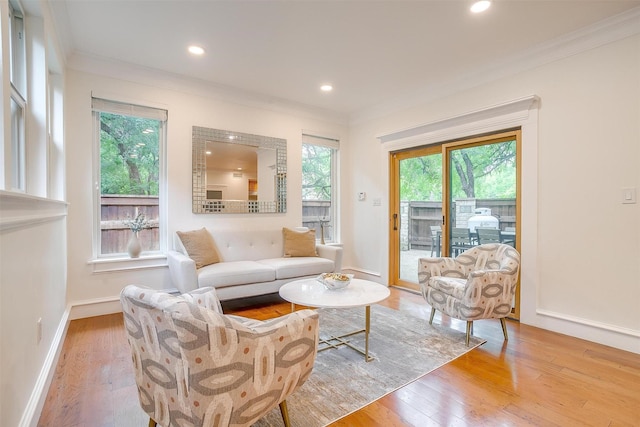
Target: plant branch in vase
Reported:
[(136, 225)]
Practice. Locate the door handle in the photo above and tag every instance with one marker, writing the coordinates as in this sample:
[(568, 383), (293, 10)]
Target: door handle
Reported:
[(395, 222)]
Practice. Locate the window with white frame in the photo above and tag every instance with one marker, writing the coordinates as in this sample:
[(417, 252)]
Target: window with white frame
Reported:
[(18, 97), (319, 186), (130, 176)]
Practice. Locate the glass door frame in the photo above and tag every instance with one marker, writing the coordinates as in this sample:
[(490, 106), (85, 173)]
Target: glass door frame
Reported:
[(493, 138), (394, 229), (445, 148)]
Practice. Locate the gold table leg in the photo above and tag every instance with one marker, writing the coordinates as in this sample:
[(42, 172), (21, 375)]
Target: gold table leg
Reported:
[(367, 327), (329, 342)]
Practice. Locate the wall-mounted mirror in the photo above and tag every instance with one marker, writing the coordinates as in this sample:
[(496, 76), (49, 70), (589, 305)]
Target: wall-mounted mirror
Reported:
[(235, 172)]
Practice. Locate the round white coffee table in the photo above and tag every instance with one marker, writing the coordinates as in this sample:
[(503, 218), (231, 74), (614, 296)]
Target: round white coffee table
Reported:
[(311, 293)]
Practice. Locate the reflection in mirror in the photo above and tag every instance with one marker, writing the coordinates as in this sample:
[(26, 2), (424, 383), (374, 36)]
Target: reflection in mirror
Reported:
[(236, 172)]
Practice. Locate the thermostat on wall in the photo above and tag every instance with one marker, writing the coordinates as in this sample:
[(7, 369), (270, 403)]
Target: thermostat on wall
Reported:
[(362, 195)]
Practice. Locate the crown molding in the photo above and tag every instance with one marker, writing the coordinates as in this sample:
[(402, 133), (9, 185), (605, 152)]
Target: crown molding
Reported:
[(160, 79), (599, 34)]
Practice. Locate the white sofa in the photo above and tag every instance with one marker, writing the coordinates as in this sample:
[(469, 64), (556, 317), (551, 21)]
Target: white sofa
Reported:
[(251, 263)]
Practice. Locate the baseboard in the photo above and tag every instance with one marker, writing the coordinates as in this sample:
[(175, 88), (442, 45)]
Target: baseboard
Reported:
[(31, 414), (101, 306), (363, 271), (602, 333), (95, 307)]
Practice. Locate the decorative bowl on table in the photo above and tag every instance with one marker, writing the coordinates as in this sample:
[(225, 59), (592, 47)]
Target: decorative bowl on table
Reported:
[(335, 281)]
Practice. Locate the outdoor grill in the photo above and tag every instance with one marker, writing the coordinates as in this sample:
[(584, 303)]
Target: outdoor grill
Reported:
[(483, 219)]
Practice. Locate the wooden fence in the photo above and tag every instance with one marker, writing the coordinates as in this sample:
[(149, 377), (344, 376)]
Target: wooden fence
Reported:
[(316, 211), (420, 216), (114, 234), (416, 219)]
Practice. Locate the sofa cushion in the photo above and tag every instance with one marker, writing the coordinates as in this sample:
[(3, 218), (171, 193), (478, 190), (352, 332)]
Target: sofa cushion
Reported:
[(299, 243), (199, 246), (287, 268), (235, 273)]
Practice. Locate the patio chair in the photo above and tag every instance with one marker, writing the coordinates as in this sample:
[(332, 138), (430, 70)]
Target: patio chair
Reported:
[(460, 240), (488, 235), (478, 284), (436, 232), (508, 236), (196, 366)]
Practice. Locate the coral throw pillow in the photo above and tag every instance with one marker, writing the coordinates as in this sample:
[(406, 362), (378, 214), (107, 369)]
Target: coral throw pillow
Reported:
[(199, 246), (299, 243)]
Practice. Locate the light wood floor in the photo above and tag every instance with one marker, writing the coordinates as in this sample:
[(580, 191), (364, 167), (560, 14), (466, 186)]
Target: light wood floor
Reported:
[(536, 378)]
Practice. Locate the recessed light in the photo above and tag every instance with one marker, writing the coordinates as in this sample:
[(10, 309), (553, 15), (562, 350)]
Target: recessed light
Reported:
[(480, 6), (326, 88), (196, 50), (207, 153)]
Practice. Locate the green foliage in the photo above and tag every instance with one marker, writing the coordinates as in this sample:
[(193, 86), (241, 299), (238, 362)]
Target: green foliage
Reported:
[(129, 155), (316, 172), (421, 178), (486, 171)]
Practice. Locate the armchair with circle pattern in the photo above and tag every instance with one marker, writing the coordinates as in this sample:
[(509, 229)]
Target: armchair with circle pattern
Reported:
[(480, 283), (195, 366)]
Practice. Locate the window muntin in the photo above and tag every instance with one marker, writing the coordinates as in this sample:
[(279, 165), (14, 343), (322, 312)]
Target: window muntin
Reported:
[(319, 187), (130, 175), (18, 162), (17, 72)]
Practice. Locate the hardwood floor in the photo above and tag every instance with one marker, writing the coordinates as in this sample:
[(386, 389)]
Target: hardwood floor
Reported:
[(537, 378)]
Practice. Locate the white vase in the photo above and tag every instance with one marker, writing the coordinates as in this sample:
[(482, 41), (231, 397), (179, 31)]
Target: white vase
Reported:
[(134, 248)]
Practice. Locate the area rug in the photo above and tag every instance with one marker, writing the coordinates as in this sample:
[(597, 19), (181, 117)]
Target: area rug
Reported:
[(404, 347)]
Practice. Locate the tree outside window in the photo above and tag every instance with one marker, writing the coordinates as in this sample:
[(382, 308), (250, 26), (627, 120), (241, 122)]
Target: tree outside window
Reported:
[(484, 171), (129, 157), (130, 160), (318, 195)]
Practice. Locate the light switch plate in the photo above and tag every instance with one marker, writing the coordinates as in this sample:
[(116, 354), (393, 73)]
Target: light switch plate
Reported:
[(629, 195)]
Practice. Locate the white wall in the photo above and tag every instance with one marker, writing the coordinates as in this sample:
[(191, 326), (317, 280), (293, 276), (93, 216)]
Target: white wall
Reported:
[(187, 106), (32, 232), (585, 244), (32, 287)]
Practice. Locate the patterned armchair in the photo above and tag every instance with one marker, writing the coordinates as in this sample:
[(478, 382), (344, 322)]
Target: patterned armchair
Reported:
[(480, 283), (195, 366)]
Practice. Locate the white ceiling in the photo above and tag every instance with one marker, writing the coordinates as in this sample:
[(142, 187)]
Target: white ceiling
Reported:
[(371, 51)]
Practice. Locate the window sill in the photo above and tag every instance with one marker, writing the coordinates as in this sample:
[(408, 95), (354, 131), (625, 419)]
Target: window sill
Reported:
[(333, 244), (20, 210), (124, 263)]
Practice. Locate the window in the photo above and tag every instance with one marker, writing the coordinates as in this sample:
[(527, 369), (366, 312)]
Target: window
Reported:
[(130, 175), (18, 96), (17, 52), (319, 186)]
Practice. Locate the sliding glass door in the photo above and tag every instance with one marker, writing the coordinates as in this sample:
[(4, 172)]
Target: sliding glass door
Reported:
[(449, 197), (417, 211)]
